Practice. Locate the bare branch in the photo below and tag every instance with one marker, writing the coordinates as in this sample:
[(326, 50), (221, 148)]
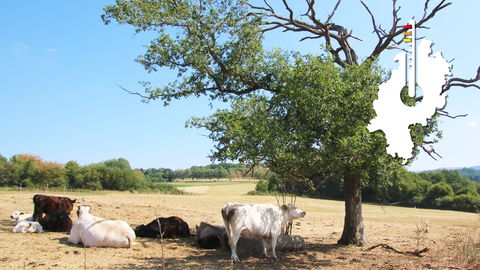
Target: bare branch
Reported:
[(385, 39), (430, 152), (333, 12), (462, 82), (134, 93), (374, 24), (415, 252), (444, 113)]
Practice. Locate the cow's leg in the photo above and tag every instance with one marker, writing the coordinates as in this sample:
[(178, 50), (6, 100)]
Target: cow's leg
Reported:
[(233, 240), (273, 245), (265, 243), (37, 213)]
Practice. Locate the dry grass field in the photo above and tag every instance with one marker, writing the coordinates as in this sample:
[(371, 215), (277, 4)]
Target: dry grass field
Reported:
[(447, 238)]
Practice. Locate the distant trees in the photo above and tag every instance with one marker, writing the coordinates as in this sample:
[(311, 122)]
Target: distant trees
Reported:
[(445, 189), (32, 171), (115, 174), (212, 171), (27, 170)]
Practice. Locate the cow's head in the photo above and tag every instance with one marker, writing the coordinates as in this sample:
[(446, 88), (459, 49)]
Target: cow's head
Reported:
[(83, 209), (140, 230), (292, 211), (16, 214)]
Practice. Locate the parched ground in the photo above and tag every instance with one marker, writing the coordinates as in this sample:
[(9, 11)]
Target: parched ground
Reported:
[(447, 237)]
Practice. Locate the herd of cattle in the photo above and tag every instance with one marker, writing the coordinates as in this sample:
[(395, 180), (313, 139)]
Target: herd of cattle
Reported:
[(257, 221)]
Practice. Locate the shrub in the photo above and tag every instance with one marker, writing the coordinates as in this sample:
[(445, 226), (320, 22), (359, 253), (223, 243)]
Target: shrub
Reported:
[(466, 202), (262, 186)]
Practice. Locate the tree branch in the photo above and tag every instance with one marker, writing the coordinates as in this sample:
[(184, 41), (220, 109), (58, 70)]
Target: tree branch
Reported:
[(416, 252), (444, 113), (430, 151), (385, 39), (134, 93), (462, 82)]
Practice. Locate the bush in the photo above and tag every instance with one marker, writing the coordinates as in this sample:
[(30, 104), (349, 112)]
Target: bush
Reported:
[(262, 186), (444, 202), (466, 202), (165, 188), (437, 191)]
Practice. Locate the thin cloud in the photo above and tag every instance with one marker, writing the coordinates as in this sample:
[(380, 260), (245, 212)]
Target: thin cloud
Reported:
[(20, 47), (52, 50), (472, 124)]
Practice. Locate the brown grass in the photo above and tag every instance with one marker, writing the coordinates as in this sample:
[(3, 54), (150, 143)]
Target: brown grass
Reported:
[(452, 237)]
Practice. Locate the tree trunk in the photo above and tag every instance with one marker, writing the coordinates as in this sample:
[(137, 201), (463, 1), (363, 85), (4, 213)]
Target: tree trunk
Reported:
[(353, 226)]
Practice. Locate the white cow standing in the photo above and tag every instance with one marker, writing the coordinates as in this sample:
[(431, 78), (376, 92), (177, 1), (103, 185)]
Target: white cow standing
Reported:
[(93, 231), (264, 221)]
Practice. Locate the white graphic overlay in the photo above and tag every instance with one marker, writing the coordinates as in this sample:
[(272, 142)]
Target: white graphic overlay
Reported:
[(393, 116)]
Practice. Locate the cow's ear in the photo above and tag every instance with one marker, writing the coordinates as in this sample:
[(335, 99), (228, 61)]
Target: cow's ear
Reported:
[(284, 207)]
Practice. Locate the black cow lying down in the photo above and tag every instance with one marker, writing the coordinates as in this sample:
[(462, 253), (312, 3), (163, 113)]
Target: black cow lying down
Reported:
[(171, 227), (211, 236), (56, 222)]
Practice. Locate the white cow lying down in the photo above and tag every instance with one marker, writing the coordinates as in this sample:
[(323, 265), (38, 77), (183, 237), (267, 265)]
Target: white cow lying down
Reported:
[(19, 215), (93, 231), (25, 226), (264, 221)]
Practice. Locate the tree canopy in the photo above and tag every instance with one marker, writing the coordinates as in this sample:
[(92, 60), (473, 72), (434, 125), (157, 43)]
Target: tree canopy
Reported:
[(304, 116)]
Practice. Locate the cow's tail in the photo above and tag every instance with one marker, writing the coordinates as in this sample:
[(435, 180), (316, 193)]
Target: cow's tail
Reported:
[(227, 214), (130, 241)]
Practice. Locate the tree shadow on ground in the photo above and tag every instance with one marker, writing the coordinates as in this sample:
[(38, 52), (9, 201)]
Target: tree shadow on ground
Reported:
[(220, 259)]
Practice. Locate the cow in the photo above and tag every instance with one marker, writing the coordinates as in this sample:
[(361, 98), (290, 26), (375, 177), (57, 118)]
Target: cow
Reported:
[(171, 227), (19, 216), (24, 226), (211, 236), (46, 204), (94, 231), (56, 222), (264, 221)]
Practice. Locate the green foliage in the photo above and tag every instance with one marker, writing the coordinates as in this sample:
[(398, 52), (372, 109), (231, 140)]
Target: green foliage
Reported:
[(31, 171), (115, 174), (471, 173), (455, 192), (314, 128), (212, 171), (213, 45), (466, 202), (438, 191)]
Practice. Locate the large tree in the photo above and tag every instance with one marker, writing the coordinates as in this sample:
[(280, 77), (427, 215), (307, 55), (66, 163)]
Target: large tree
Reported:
[(304, 116)]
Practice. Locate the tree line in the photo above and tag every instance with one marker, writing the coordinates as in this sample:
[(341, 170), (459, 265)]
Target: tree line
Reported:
[(30, 171), (441, 189), (444, 189)]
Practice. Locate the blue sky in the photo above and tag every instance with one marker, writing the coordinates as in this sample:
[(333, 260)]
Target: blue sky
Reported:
[(61, 66)]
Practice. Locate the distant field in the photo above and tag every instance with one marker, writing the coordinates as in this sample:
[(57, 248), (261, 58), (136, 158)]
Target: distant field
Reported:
[(448, 234), (216, 188)]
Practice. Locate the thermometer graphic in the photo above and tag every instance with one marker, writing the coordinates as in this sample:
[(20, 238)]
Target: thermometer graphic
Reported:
[(410, 37)]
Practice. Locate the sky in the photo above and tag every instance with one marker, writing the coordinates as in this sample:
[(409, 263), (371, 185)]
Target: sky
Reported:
[(61, 67)]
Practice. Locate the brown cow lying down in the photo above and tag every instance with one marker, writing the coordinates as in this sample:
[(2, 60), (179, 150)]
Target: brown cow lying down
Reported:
[(172, 227), (50, 205), (56, 222)]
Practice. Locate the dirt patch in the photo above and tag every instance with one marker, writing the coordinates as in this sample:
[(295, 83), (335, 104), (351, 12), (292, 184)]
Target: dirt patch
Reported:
[(321, 228)]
